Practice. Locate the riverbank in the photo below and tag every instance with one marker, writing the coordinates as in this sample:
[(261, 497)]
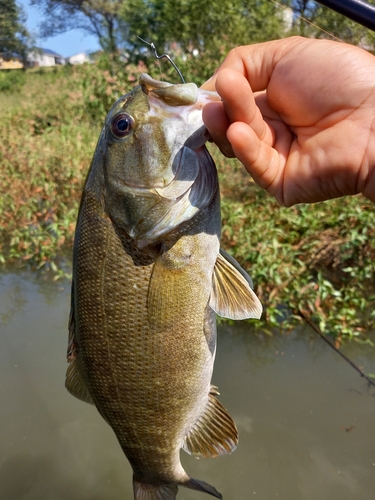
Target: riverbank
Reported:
[(313, 261)]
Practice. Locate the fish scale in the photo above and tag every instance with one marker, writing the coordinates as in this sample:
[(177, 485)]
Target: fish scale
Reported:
[(125, 363)]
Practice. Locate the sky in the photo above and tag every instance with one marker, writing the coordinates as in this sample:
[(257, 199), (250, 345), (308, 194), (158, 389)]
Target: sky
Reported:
[(69, 43)]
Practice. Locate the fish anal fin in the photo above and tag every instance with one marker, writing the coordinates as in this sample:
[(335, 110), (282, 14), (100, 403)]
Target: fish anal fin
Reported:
[(143, 491), (214, 433), (75, 384), (232, 296), (168, 491)]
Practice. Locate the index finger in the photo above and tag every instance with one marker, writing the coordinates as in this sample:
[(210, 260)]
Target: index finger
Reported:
[(239, 102), (255, 62)]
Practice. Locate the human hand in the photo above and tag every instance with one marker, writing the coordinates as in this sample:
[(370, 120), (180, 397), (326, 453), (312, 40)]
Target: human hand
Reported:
[(300, 115)]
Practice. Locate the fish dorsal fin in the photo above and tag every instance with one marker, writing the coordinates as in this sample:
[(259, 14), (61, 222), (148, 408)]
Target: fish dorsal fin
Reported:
[(75, 384), (232, 296), (214, 433)]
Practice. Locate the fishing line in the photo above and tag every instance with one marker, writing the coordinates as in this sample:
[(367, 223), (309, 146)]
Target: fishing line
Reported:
[(286, 8), (324, 337), (152, 45)]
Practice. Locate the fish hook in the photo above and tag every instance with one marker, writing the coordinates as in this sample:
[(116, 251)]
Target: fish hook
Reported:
[(152, 45)]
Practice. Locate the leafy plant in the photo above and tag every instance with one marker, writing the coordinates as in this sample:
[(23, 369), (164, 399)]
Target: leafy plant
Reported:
[(12, 81)]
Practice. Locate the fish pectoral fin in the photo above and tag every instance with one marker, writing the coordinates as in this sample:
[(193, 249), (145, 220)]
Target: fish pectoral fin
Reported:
[(214, 433), (75, 384), (232, 295), (143, 491)]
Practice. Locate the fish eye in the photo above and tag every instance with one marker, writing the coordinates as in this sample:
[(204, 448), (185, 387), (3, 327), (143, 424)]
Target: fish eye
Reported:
[(122, 125)]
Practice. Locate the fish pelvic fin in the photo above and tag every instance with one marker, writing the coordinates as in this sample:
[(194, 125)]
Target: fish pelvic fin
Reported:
[(195, 484), (214, 433), (74, 381), (144, 491), (232, 295), (75, 384)]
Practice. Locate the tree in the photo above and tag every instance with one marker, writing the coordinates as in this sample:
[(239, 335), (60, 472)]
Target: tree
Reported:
[(97, 17), (199, 33), (14, 37)]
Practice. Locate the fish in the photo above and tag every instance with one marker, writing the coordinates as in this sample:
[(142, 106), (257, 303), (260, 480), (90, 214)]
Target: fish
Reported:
[(149, 278)]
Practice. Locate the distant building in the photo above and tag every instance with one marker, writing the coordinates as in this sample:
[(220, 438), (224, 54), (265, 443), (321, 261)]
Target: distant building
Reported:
[(10, 61), (79, 58), (44, 57)]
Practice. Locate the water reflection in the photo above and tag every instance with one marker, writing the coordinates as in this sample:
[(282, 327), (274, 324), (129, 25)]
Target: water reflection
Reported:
[(306, 419)]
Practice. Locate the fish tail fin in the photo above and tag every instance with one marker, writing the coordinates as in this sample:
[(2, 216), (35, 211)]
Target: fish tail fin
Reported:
[(144, 491), (195, 484)]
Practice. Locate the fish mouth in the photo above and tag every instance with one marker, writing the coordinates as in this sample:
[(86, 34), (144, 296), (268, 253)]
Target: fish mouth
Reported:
[(182, 94)]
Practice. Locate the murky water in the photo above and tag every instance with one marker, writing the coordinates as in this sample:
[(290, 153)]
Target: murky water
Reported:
[(306, 419)]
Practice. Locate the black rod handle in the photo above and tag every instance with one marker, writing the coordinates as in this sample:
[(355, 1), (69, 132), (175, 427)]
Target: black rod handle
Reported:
[(357, 10)]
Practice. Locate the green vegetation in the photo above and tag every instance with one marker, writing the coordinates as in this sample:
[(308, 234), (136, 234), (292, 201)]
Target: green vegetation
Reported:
[(11, 81), (310, 261), (195, 26), (313, 262), (14, 38), (45, 148), (202, 32)]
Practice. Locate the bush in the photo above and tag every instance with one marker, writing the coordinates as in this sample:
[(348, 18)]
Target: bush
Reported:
[(105, 81), (12, 80)]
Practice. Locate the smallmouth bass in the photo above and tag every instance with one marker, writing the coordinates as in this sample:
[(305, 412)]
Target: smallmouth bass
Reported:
[(148, 279)]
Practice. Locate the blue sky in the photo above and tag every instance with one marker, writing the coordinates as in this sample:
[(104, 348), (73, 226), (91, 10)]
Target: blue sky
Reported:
[(70, 43)]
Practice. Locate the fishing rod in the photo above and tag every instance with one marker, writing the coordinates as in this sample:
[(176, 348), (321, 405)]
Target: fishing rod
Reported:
[(357, 10)]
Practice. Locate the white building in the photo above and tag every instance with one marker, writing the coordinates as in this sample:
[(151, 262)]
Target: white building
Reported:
[(79, 58), (44, 57)]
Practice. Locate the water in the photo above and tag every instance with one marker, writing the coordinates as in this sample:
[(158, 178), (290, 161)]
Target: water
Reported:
[(306, 419)]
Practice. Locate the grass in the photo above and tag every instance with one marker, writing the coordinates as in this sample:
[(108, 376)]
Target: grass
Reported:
[(310, 261), (45, 149)]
